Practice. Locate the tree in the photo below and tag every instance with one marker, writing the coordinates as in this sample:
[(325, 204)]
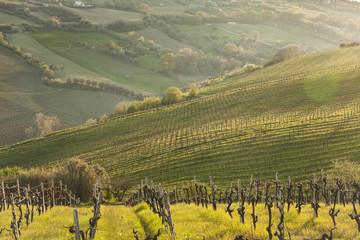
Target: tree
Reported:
[(43, 125), (346, 169), (172, 95), (255, 36), (186, 61), (231, 49), (167, 62), (193, 92), (289, 52)]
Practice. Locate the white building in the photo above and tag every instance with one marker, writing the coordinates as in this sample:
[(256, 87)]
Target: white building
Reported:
[(79, 4)]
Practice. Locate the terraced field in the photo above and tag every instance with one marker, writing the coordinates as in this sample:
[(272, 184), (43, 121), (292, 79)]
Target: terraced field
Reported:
[(279, 119)]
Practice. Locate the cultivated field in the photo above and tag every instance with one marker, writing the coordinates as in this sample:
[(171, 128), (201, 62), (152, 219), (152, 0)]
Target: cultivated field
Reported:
[(115, 69), (105, 16), (161, 38), (280, 118), (22, 96), (9, 19), (65, 68), (138, 77)]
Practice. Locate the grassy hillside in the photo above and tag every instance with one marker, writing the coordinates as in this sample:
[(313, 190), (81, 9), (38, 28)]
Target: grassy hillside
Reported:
[(22, 96), (190, 221), (65, 67), (292, 118), (105, 16), (141, 77)]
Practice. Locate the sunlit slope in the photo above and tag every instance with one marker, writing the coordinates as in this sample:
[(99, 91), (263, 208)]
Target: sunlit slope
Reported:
[(293, 118)]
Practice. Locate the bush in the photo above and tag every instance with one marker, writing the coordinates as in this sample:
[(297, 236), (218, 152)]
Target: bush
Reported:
[(76, 174), (122, 107), (251, 68), (172, 95), (287, 53), (193, 92), (347, 170)]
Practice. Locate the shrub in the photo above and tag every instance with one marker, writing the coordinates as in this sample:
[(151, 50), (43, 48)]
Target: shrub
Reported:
[(193, 92), (122, 107), (104, 118), (76, 174), (251, 68), (149, 102), (172, 95), (80, 177), (90, 121), (347, 170), (289, 52)]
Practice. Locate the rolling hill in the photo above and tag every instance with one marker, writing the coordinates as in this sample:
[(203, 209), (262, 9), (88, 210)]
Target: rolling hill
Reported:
[(293, 118)]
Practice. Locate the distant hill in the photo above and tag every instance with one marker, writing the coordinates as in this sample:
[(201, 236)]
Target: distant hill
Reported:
[(293, 118)]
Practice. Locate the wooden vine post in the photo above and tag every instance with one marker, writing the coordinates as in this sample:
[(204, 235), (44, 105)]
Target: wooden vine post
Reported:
[(27, 202), (60, 192), (97, 201), (314, 196), (239, 196), (276, 190), (52, 193), (3, 195), (70, 198), (171, 223), (195, 191), (18, 188), (76, 224), (42, 198), (175, 194), (14, 223)]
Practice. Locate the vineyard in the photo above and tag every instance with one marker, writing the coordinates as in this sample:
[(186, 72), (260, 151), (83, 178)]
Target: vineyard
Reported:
[(27, 202), (273, 209), (293, 118)]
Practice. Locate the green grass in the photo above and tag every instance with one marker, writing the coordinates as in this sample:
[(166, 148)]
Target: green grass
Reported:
[(65, 67), (22, 96), (58, 40), (190, 221), (161, 38), (9, 19), (278, 119), (138, 77), (105, 16)]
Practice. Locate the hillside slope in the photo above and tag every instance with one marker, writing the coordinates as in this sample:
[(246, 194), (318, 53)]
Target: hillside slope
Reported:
[(293, 118)]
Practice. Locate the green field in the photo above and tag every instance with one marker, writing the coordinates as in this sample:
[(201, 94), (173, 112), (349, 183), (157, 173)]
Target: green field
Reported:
[(284, 35), (65, 67), (190, 222), (278, 119), (161, 38), (105, 16), (9, 19), (22, 96), (40, 15), (59, 40), (138, 77), (118, 70), (271, 38)]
